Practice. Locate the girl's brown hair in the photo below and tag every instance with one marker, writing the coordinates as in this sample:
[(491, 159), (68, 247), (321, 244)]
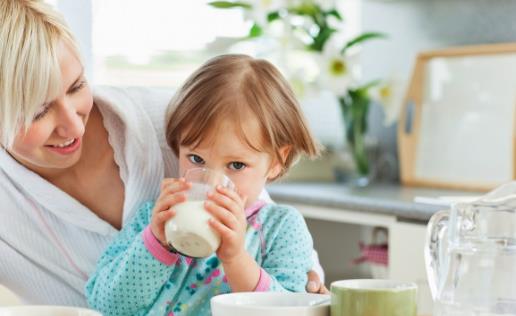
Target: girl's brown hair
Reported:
[(231, 87)]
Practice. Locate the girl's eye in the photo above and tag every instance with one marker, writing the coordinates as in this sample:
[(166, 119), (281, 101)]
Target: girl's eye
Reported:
[(196, 159), (236, 165), (41, 113)]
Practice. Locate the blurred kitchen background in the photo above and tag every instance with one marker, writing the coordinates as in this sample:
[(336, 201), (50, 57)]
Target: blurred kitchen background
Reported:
[(158, 43)]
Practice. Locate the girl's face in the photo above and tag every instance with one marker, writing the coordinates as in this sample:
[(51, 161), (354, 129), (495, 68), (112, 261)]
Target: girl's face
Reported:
[(53, 140), (226, 152)]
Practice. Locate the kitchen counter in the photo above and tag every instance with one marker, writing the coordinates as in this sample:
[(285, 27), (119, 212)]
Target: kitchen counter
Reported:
[(381, 199), (333, 207)]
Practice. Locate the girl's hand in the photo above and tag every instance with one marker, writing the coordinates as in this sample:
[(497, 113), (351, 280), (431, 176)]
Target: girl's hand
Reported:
[(172, 193), (314, 284), (229, 221)]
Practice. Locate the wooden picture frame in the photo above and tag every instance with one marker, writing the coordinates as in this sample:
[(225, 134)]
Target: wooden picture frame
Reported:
[(457, 124)]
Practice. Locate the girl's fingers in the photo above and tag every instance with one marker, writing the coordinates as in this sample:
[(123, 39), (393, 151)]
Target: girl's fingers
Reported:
[(163, 217), (232, 194), (158, 224), (170, 181), (222, 215), (174, 187), (167, 202), (220, 228), (226, 202)]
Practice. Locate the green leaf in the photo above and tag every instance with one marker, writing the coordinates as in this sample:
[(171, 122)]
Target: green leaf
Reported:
[(255, 31), (335, 13), (229, 4), (368, 85), (362, 38), (273, 16), (321, 39), (307, 9)]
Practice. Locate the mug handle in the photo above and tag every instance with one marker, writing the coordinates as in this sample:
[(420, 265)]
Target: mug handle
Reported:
[(435, 256)]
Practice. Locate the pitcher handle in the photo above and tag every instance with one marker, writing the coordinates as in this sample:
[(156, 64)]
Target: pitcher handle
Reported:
[(436, 237)]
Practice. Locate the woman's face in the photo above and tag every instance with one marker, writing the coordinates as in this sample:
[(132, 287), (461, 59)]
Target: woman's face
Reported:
[(54, 139)]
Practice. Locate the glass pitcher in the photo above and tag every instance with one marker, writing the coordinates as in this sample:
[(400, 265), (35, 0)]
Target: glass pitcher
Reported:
[(470, 256)]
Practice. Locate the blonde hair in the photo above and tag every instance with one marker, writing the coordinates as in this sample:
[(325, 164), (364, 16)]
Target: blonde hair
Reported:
[(232, 87), (30, 33)]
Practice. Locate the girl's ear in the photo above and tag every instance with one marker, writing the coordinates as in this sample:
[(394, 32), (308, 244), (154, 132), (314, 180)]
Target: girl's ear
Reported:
[(277, 166)]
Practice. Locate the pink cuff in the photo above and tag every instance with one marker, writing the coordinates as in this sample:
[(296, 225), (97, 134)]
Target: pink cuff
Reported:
[(264, 282), (156, 249)]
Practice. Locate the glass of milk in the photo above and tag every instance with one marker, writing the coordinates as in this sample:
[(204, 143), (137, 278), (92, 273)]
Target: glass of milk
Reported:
[(188, 232)]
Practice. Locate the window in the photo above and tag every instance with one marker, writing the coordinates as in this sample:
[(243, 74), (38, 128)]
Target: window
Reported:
[(158, 42)]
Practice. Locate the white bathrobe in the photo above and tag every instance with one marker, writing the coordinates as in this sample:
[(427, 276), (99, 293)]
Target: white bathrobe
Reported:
[(50, 242)]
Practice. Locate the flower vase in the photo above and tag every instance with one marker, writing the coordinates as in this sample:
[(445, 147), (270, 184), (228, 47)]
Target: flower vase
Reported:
[(355, 108)]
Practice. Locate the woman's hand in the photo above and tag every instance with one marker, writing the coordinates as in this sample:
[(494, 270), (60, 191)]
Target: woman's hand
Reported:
[(229, 221), (172, 193), (314, 284)]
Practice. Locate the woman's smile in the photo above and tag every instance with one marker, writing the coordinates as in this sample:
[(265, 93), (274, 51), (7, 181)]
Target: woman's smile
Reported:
[(67, 147)]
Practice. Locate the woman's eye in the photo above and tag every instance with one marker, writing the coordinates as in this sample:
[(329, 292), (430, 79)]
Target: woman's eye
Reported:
[(196, 159), (78, 87), (237, 165), (41, 113)]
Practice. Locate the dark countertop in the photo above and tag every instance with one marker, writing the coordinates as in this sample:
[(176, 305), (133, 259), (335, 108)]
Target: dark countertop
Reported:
[(386, 199)]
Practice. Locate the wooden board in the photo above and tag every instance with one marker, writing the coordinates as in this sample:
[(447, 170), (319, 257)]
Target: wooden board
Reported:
[(457, 125)]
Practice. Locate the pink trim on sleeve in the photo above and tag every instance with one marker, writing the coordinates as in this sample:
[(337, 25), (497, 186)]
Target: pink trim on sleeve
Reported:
[(264, 282), (156, 249)]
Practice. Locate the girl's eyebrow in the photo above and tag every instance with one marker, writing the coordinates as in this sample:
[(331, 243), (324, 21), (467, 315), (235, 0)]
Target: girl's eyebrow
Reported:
[(76, 80), (235, 157)]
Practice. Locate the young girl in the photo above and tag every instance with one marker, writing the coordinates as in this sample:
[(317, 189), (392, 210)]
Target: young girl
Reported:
[(237, 115)]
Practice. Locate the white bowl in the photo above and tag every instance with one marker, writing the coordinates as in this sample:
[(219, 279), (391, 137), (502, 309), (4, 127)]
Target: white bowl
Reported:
[(46, 310), (270, 304)]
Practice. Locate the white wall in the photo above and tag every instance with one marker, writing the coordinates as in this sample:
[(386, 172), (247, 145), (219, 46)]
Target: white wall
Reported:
[(416, 25), (78, 15)]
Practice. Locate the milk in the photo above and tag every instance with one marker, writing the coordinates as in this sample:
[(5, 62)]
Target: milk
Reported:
[(189, 233)]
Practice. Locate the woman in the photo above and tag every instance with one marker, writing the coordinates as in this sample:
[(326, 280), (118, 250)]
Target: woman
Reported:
[(74, 166)]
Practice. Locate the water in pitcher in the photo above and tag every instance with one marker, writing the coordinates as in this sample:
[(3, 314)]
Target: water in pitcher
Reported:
[(481, 279)]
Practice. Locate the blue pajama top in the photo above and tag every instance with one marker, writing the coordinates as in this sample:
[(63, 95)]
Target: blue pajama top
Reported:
[(136, 275)]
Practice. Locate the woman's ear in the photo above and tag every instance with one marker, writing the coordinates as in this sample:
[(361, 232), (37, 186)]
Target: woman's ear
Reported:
[(277, 166)]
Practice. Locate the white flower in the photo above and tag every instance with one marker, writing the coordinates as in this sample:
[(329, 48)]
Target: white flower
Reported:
[(390, 94), (338, 72), (260, 9)]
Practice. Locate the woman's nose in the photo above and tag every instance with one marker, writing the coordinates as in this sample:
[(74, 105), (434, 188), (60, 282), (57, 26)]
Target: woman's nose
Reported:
[(70, 122)]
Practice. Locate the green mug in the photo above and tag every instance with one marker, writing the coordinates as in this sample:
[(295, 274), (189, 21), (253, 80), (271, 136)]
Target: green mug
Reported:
[(370, 297)]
